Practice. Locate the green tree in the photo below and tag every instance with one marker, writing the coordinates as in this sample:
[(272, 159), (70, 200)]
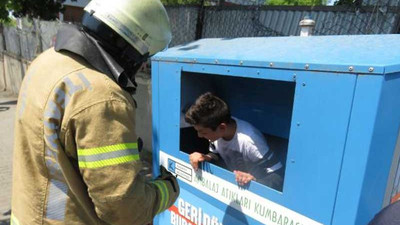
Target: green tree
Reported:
[(43, 9), (296, 2), (4, 11)]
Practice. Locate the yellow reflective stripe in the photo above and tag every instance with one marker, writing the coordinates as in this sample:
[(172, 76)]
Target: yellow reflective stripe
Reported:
[(105, 149), (108, 162), (167, 195), (14, 220), (162, 201)]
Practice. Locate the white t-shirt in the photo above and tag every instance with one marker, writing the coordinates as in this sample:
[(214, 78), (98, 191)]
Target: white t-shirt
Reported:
[(248, 144)]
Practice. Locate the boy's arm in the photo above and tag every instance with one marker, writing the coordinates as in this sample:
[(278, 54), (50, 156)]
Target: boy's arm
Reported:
[(242, 177), (212, 156), (197, 157)]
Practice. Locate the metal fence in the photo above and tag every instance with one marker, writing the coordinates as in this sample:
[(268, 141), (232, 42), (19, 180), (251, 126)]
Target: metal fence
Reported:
[(19, 46), (183, 23), (255, 21)]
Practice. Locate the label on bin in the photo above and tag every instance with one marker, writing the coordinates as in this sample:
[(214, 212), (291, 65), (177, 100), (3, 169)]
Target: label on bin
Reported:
[(180, 169), (251, 204)]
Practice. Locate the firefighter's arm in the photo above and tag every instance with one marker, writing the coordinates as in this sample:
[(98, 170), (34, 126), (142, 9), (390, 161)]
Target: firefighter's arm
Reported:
[(167, 183), (108, 160)]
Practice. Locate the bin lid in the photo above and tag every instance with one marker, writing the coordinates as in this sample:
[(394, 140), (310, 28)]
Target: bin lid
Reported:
[(368, 54)]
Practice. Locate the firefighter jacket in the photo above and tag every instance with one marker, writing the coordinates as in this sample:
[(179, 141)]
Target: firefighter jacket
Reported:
[(75, 153)]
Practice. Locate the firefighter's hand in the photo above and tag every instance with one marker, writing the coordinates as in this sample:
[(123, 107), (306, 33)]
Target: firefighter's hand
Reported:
[(171, 186), (167, 176), (195, 158), (243, 178)]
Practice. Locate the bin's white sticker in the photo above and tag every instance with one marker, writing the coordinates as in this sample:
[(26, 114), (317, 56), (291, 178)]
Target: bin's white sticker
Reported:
[(182, 170), (253, 205)]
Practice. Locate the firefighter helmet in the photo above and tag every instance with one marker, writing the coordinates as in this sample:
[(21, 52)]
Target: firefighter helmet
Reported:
[(144, 24)]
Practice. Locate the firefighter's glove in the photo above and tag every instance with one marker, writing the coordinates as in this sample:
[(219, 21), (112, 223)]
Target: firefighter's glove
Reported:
[(170, 183), (167, 176)]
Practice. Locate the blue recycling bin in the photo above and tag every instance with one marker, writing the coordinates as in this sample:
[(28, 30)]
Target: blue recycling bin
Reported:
[(329, 105)]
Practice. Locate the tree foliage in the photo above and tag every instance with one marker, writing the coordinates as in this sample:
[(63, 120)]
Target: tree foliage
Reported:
[(296, 2), (348, 2), (3, 11), (43, 9)]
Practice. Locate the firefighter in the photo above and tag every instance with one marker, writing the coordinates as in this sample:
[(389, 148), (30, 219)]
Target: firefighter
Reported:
[(390, 215), (76, 155)]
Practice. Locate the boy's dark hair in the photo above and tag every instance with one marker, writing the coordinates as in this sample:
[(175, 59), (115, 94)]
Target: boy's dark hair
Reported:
[(208, 111)]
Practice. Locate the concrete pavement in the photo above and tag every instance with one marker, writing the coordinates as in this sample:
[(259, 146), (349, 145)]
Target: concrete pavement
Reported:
[(8, 104)]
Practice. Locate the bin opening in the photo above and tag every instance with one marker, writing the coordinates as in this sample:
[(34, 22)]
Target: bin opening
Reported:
[(266, 104)]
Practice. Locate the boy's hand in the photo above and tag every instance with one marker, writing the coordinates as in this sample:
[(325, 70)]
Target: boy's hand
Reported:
[(243, 178), (195, 158)]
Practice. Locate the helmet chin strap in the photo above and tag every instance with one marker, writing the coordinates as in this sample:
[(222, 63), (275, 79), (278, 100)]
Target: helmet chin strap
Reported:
[(131, 62), (122, 52)]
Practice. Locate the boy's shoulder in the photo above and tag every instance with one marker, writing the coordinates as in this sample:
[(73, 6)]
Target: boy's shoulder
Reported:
[(245, 129), (248, 134)]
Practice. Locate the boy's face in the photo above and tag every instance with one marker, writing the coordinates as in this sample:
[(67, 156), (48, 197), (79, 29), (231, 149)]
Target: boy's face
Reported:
[(208, 133)]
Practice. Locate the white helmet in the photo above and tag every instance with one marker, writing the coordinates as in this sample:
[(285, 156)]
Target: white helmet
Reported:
[(144, 24)]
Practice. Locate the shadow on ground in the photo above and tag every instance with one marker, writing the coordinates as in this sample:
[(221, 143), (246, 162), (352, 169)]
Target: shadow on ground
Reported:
[(5, 107), (2, 109), (8, 103)]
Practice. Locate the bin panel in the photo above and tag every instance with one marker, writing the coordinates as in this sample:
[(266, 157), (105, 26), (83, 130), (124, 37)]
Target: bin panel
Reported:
[(169, 108), (334, 53), (155, 116), (320, 120), (373, 132)]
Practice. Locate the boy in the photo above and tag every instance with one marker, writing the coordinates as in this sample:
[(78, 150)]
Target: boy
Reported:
[(242, 147)]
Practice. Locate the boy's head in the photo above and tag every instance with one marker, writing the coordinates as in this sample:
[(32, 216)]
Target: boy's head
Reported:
[(209, 115)]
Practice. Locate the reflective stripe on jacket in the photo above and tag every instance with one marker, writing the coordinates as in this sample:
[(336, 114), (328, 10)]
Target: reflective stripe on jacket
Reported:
[(75, 154)]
